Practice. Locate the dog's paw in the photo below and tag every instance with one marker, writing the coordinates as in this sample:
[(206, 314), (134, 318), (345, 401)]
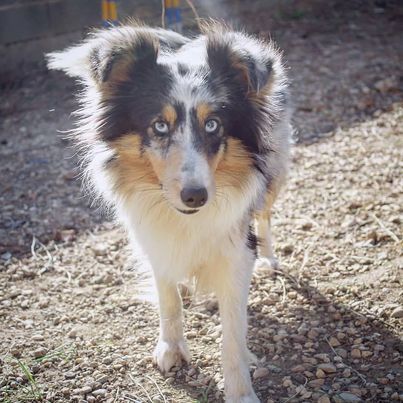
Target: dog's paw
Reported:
[(168, 354), (267, 265), (250, 398)]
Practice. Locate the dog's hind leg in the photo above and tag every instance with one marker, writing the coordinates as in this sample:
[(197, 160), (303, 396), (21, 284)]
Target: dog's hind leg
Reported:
[(171, 348), (267, 260)]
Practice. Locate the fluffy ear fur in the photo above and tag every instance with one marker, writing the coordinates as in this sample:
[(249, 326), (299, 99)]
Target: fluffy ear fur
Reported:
[(107, 54), (240, 57)]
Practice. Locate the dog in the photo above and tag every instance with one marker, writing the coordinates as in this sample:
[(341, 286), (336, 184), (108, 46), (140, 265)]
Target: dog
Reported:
[(188, 140)]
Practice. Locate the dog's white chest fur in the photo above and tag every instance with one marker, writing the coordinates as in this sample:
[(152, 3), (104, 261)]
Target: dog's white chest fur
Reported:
[(178, 246)]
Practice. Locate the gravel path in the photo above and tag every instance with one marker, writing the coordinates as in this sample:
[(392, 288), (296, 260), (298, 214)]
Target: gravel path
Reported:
[(327, 328)]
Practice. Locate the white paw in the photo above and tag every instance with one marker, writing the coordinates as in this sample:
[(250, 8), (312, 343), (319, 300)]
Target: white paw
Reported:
[(267, 265), (169, 354), (249, 398)]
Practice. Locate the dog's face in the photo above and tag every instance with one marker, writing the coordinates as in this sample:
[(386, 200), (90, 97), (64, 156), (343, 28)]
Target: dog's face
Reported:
[(182, 120)]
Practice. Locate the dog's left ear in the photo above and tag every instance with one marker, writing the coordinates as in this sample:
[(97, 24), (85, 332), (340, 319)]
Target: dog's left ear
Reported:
[(107, 55), (240, 58)]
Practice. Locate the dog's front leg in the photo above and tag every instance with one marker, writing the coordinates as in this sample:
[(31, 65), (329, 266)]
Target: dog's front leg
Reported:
[(171, 347), (232, 293)]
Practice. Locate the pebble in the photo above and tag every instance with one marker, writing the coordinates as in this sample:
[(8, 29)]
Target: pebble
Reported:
[(298, 368), (100, 249), (107, 360), (99, 392), (40, 352), (102, 379), (356, 353), (86, 389), (348, 397), (260, 373), (327, 367), (324, 399), (316, 383), (72, 334), (69, 375), (397, 312), (320, 373), (334, 342)]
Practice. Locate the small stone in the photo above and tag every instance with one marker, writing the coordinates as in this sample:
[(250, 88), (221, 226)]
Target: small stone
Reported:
[(347, 373), (334, 342), (320, 373), (287, 383), (260, 373), (6, 256), (324, 399), (43, 303), (16, 352), (99, 392), (298, 368), (40, 352), (24, 304), (69, 375), (72, 334), (327, 367), (107, 360), (316, 383), (100, 249), (356, 353), (397, 313), (102, 379), (86, 389), (288, 249), (349, 397), (341, 352), (386, 85), (341, 336), (313, 334)]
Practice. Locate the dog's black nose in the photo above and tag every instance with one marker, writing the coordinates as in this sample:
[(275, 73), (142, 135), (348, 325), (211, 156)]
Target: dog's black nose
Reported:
[(194, 197)]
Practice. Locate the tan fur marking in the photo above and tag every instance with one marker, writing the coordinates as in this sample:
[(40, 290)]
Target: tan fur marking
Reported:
[(203, 111), (118, 74), (133, 169), (169, 114), (235, 165)]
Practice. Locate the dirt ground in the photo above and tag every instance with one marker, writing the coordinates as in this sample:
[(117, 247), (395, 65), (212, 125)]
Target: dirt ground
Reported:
[(326, 328)]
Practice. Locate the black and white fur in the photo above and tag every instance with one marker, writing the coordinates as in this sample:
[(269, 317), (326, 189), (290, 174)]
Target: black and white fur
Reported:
[(162, 113)]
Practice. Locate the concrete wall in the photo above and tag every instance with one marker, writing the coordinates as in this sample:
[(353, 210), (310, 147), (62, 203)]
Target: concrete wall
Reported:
[(30, 20), (30, 28)]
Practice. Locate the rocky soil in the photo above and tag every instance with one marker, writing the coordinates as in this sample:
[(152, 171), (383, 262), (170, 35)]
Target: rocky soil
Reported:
[(327, 327)]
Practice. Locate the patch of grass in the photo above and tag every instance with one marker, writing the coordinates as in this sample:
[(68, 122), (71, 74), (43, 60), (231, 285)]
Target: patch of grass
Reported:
[(31, 392), (22, 393), (204, 397), (36, 391), (64, 352)]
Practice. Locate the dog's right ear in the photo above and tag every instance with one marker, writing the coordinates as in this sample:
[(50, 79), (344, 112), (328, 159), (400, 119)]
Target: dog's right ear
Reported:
[(107, 56)]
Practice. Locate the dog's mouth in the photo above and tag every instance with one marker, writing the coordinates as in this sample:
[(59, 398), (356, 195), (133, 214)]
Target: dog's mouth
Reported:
[(188, 211)]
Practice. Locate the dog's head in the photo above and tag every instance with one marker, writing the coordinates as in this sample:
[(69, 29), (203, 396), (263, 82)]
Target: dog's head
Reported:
[(183, 117)]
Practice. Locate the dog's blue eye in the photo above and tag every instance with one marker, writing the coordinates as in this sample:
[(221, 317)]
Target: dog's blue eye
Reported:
[(161, 127), (211, 126)]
